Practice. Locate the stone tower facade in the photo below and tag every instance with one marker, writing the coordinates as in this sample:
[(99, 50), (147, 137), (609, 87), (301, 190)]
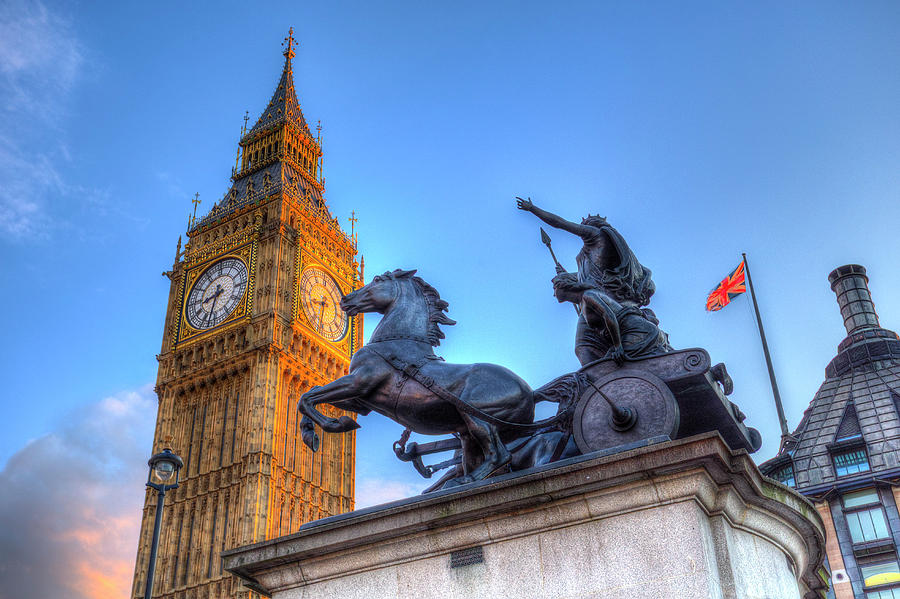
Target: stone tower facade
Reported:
[(845, 454), (252, 322)]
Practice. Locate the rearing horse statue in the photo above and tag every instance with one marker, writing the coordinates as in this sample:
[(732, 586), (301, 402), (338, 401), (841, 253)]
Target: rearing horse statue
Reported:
[(397, 374)]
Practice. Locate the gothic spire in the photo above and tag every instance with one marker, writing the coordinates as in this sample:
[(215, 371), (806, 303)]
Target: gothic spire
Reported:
[(279, 153), (284, 106)]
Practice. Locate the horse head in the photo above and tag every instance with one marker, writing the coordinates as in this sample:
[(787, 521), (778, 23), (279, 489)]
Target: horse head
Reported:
[(413, 309), (378, 295)]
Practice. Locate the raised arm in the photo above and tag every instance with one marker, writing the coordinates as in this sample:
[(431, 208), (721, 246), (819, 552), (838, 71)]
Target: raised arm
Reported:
[(554, 220)]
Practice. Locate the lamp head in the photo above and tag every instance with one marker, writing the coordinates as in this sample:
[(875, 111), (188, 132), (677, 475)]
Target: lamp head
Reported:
[(163, 465)]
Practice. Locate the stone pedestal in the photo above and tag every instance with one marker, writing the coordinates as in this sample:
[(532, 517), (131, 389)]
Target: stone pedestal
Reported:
[(679, 519)]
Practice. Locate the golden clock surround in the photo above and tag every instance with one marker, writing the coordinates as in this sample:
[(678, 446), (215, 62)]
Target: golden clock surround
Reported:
[(186, 331), (303, 292), (303, 262)]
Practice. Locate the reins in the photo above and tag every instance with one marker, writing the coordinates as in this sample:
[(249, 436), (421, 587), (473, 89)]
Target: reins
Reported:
[(410, 370)]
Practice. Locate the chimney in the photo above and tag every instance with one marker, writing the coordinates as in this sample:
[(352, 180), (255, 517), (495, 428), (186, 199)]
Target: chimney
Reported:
[(850, 284)]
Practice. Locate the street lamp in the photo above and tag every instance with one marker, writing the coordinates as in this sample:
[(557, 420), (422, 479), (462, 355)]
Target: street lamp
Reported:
[(162, 466)]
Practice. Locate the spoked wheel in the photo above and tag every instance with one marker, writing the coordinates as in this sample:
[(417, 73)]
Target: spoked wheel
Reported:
[(623, 408)]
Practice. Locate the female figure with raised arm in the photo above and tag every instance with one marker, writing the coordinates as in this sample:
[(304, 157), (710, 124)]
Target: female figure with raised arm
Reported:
[(610, 288)]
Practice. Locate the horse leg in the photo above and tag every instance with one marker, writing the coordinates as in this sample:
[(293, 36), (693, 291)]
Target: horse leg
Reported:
[(348, 387), (496, 455), (308, 429), (343, 389), (471, 459), (472, 455), (342, 424)]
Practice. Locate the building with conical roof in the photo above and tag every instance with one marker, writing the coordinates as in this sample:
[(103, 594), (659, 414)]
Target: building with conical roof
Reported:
[(845, 454), (252, 322), (278, 153)]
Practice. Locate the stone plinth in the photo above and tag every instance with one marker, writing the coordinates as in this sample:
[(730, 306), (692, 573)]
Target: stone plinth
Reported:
[(686, 518)]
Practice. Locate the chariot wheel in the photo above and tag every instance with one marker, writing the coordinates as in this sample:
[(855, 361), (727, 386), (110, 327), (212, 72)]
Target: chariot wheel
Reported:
[(646, 408)]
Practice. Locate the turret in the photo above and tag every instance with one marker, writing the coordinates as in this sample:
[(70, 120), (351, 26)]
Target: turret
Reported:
[(851, 285)]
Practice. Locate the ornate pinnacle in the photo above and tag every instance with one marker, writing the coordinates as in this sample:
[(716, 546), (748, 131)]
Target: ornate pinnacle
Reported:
[(289, 42), (195, 202)]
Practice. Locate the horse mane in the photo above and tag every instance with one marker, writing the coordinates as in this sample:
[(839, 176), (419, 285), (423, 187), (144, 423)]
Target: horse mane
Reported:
[(436, 306)]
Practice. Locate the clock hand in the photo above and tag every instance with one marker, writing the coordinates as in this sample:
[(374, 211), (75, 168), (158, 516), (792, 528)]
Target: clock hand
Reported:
[(321, 303), (215, 295)]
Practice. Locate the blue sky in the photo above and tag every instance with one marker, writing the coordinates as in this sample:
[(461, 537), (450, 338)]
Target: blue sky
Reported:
[(700, 130)]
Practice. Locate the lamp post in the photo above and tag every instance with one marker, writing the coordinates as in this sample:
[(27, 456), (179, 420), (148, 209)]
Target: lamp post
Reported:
[(162, 466)]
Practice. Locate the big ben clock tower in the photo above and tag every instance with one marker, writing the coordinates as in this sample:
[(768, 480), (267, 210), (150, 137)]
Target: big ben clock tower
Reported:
[(252, 322)]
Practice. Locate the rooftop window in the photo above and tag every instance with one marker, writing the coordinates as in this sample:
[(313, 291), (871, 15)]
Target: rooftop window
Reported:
[(785, 475), (849, 462)]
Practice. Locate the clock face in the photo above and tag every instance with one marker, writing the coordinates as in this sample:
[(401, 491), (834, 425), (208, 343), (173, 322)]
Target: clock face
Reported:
[(216, 293), (320, 297)]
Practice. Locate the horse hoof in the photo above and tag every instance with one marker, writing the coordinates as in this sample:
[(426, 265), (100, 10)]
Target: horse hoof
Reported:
[(310, 439), (348, 424)]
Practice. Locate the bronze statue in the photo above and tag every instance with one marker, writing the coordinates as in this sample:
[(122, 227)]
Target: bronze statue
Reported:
[(398, 375), (610, 288), (623, 330), (632, 388)]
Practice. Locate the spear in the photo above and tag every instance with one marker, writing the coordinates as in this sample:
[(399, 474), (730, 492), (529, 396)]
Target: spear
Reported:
[(559, 268), (546, 240)]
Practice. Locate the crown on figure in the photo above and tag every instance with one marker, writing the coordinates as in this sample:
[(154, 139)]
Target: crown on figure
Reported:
[(592, 217)]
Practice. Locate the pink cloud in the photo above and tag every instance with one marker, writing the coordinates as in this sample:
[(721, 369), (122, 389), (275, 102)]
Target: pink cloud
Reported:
[(70, 503)]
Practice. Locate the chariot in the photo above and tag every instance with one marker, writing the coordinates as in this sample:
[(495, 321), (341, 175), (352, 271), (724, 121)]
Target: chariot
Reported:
[(607, 407), (614, 402)]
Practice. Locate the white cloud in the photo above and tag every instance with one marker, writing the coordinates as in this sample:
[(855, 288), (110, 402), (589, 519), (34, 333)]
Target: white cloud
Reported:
[(70, 503), (40, 62), (24, 182), (40, 58)]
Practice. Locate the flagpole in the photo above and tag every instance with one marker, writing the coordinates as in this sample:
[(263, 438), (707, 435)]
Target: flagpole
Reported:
[(762, 336)]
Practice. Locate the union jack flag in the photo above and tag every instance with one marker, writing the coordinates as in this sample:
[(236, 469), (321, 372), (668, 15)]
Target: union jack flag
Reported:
[(731, 286)]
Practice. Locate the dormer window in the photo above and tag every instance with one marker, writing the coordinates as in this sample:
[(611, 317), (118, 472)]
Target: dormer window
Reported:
[(785, 475), (850, 461)]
